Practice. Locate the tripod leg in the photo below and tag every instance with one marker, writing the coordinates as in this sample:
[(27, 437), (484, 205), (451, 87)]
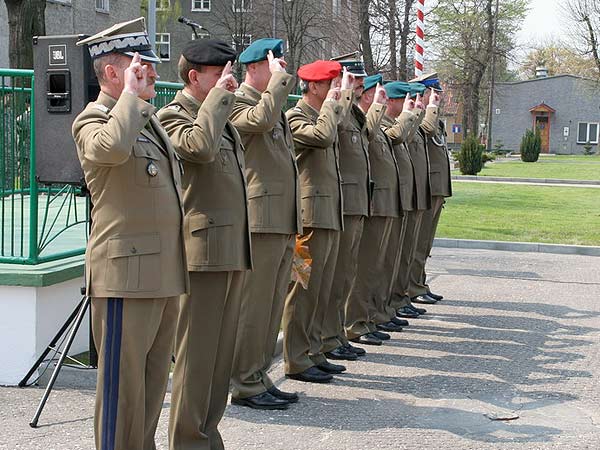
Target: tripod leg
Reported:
[(51, 345), (84, 306)]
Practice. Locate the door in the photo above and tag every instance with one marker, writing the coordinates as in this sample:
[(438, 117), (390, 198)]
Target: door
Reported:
[(542, 123)]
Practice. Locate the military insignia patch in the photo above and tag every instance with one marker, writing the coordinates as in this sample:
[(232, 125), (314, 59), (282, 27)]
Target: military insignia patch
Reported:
[(152, 169)]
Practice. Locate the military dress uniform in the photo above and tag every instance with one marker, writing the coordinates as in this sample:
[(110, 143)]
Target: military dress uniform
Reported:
[(135, 258), (275, 219), (315, 142), (217, 239)]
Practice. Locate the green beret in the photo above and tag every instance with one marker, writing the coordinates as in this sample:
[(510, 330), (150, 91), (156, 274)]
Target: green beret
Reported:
[(259, 49), (372, 81), (397, 89), (417, 88)]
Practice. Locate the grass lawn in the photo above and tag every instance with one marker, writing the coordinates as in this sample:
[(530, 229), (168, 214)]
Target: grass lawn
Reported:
[(563, 167), (502, 212)]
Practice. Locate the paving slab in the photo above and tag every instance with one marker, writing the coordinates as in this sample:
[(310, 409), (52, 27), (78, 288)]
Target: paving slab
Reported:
[(508, 360)]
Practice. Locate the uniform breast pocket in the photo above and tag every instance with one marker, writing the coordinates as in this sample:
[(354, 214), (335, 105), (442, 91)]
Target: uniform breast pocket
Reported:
[(225, 159), (148, 170), (382, 198), (316, 206), (210, 238), (133, 263), (264, 201)]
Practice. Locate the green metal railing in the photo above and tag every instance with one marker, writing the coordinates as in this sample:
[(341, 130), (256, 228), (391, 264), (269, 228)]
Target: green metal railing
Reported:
[(40, 222)]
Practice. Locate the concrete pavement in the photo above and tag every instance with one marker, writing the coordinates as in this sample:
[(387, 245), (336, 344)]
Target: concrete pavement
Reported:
[(508, 360)]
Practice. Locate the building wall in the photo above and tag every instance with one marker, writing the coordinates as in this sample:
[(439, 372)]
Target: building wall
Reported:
[(572, 97)]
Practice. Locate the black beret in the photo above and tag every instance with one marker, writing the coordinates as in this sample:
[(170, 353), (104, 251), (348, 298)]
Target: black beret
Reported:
[(208, 52)]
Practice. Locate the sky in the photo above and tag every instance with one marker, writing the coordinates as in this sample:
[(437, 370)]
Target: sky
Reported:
[(544, 21)]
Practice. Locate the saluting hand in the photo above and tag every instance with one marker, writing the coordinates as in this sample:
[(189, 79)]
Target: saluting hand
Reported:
[(334, 90), (276, 64), (434, 98), (419, 102), (135, 76), (347, 79), (380, 95), (227, 81), (409, 104)]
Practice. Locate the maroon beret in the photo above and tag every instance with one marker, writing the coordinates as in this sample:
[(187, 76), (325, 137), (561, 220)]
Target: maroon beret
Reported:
[(320, 70)]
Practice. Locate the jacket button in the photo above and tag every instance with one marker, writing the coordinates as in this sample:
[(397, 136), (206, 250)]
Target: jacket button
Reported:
[(144, 113), (284, 83), (133, 250), (225, 101), (265, 192), (211, 221)]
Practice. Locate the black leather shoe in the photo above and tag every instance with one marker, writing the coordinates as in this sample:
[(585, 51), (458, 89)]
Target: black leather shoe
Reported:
[(389, 326), (419, 311), (381, 335), (342, 353), (425, 299), (331, 368), (407, 312), (261, 401), (311, 375), (399, 322), (358, 351), (437, 297), (367, 339), (290, 397)]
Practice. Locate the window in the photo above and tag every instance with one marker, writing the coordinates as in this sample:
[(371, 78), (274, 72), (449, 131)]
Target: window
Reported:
[(241, 41), (200, 5), (163, 46), (202, 34), (242, 5), (587, 132), (163, 5), (102, 6)]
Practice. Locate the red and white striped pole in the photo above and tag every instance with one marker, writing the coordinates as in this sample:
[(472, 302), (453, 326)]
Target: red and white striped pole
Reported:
[(420, 38)]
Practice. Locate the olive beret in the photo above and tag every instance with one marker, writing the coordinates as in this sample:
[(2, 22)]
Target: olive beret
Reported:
[(208, 52), (259, 49)]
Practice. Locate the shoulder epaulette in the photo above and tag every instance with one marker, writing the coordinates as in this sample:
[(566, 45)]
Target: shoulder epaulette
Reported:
[(101, 107), (174, 107)]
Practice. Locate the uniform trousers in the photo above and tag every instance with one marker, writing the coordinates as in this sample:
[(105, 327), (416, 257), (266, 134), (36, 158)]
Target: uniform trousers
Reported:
[(346, 268), (418, 276), (263, 297), (399, 296), (364, 301), (204, 348), (305, 309), (134, 338)]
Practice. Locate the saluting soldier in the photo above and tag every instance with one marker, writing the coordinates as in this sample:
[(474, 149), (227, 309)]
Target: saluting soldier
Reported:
[(354, 132), (366, 312), (217, 239), (314, 122), (135, 258), (441, 187), (275, 219)]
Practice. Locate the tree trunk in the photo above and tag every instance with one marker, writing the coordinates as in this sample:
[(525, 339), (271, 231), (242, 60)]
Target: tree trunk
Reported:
[(593, 41), (404, 32), (26, 18), (365, 34), (392, 35)]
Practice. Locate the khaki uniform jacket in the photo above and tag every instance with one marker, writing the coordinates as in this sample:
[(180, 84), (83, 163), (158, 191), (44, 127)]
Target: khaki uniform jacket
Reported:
[(136, 247), (271, 171), (354, 134), (439, 162), (420, 158), (386, 176), (315, 142), (217, 236), (400, 130)]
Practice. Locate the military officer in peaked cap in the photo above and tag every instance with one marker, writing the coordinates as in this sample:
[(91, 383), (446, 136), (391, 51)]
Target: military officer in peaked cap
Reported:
[(217, 239), (355, 131), (135, 259), (314, 123), (275, 219), (441, 187)]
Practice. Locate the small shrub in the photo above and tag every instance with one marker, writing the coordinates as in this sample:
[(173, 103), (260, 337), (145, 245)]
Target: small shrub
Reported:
[(588, 149), (470, 156), (531, 145), (486, 157)]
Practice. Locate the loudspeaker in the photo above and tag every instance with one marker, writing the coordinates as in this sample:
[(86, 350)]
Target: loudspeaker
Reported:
[(64, 83)]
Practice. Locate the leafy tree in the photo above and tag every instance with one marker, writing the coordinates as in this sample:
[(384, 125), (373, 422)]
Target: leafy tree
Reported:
[(585, 17), (558, 59), (26, 18)]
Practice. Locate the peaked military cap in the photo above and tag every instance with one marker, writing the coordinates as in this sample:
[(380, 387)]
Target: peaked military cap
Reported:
[(259, 49), (125, 37), (372, 81), (397, 89), (353, 63), (208, 52), (430, 80), (320, 70)]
